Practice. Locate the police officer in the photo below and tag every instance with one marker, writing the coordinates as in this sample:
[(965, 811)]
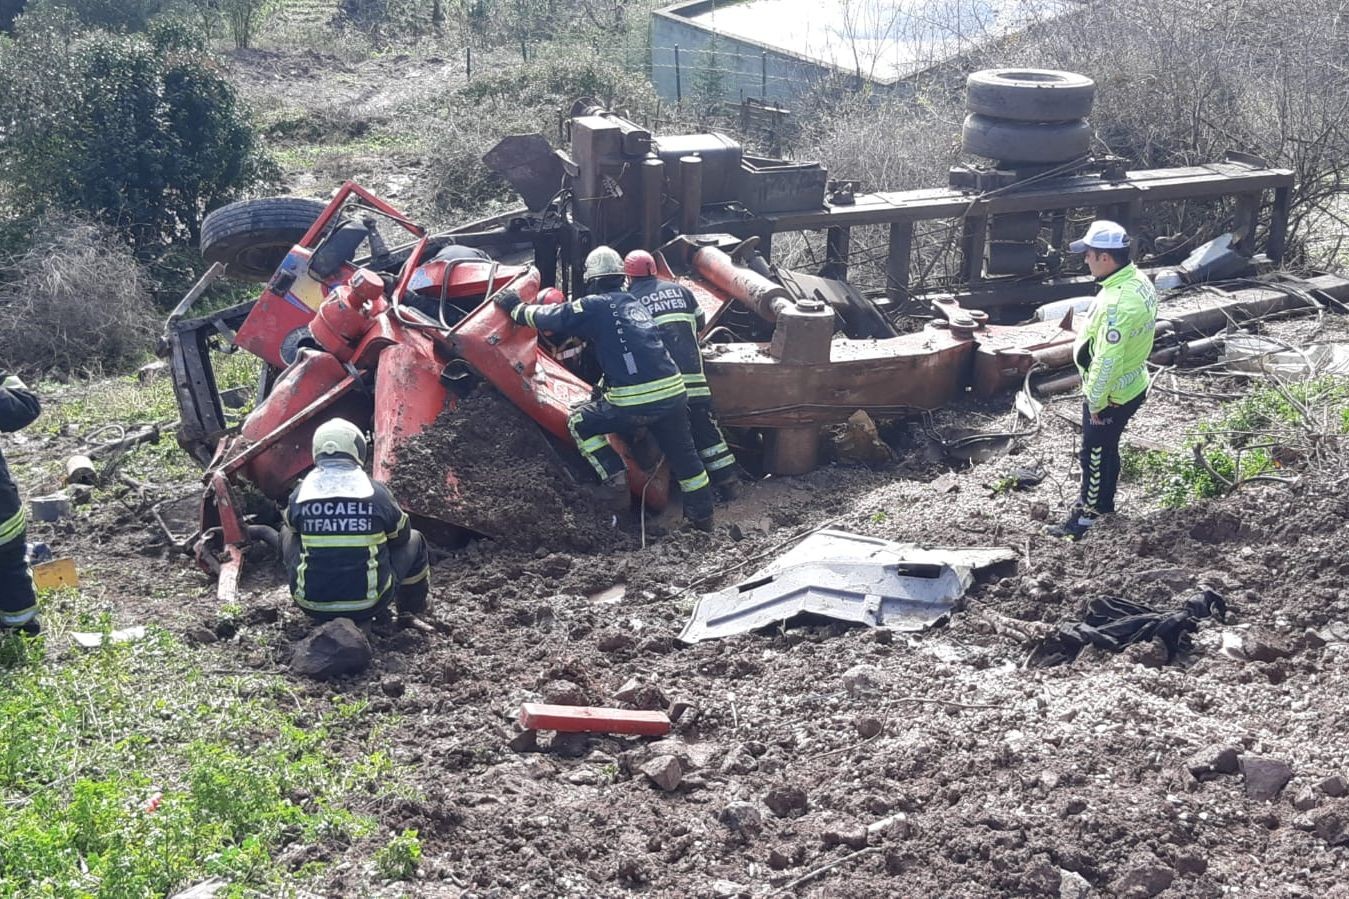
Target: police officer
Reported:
[(18, 600), (346, 543), (1111, 353), (680, 318), (642, 384)]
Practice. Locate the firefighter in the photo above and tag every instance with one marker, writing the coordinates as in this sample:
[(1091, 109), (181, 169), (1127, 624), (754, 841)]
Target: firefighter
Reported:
[(680, 318), (18, 600), (642, 386), (1111, 353), (347, 545)]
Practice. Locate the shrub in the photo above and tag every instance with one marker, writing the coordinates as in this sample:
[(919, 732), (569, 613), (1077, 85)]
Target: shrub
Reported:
[(143, 141), (77, 302), (129, 15)]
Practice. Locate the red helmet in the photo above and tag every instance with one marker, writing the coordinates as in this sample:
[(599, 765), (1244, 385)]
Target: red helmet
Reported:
[(550, 296), (639, 264)]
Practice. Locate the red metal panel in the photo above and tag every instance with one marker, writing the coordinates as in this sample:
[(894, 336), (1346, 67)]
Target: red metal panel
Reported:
[(408, 399), (275, 444), (581, 719)]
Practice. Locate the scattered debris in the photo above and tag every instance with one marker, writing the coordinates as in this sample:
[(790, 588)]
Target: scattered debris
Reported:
[(1111, 623), (80, 470), (207, 889), (90, 640), (858, 442), (55, 574), (334, 648), (642, 695), (593, 719), (847, 577), (52, 507)]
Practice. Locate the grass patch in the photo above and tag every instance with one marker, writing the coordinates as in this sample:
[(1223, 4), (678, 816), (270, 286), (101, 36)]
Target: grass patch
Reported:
[(133, 770), (1251, 438)]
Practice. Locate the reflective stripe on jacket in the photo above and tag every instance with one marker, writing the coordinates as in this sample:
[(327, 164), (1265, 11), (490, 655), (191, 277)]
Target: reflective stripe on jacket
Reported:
[(18, 408), (1112, 348), (629, 346), (345, 539), (680, 318)]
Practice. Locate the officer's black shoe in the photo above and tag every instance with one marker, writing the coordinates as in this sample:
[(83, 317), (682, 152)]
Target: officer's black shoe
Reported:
[(1076, 526)]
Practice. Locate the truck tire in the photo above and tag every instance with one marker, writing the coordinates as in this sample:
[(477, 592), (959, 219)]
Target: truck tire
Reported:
[(1030, 95), (251, 237), (1025, 142)]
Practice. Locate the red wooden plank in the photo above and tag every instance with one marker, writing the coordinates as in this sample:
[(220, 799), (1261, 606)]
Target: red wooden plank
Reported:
[(592, 719)]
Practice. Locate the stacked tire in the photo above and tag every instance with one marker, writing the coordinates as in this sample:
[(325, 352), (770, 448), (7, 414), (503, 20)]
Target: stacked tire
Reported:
[(1027, 120), (1027, 117)]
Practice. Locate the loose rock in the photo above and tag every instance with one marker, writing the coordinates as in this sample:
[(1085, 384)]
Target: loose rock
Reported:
[(1265, 778), (664, 771), (867, 727), (1143, 881), (742, 818), (392, 687), (1214, 760), (564, 692), (852, 837), (786, 801), (1335, 786), (861, 679), (334, 648), (614, 641)]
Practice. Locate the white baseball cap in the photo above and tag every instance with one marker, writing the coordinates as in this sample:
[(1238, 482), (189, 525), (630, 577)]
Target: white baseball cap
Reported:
[(1101, 235)]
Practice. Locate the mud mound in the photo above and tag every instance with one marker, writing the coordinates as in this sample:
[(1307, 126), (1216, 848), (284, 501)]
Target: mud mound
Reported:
[(487, 467)]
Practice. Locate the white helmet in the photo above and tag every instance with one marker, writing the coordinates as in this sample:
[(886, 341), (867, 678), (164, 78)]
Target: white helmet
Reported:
[(603, 261), (339, 437)]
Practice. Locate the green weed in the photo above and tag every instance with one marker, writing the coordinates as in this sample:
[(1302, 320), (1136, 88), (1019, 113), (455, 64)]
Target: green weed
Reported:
[(1237, 445), (398, 859), (129, 771)]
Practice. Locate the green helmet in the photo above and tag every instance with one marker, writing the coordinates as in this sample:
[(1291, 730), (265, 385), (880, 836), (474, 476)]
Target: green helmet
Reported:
[(339, 437), (603, 261)]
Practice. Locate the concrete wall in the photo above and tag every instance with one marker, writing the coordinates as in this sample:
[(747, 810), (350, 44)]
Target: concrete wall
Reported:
[(734, 66)]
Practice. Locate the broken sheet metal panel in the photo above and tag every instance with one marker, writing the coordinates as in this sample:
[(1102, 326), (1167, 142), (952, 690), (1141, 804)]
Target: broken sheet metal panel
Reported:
[(846, 577)]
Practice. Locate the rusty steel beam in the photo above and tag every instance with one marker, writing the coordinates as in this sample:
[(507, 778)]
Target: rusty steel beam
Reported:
[(914, 372)]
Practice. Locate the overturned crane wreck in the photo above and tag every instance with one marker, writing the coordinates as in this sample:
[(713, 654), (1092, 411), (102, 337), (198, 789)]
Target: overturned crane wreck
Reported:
[(352, 321)]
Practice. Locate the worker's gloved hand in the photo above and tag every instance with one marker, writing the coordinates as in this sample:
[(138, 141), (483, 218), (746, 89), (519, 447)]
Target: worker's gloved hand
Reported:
[(507, 300)]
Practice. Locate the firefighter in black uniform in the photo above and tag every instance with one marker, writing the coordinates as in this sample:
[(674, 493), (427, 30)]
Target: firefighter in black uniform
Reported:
[(346, 543), (642, 386), (680, 318), (18, 600)]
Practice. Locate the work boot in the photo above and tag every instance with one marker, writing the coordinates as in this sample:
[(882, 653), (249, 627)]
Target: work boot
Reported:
[(614, 492), (32, 629), (727, 490), (1079, 521), (701, 524), (414, 599)]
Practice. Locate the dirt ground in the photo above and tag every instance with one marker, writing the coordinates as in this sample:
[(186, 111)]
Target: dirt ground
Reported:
[(929, 764)]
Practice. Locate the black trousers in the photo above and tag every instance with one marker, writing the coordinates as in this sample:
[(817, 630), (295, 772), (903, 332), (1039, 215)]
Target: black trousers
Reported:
[(716, 456), (668, 424), (18, 600), (1100, 454), (411, 576)]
